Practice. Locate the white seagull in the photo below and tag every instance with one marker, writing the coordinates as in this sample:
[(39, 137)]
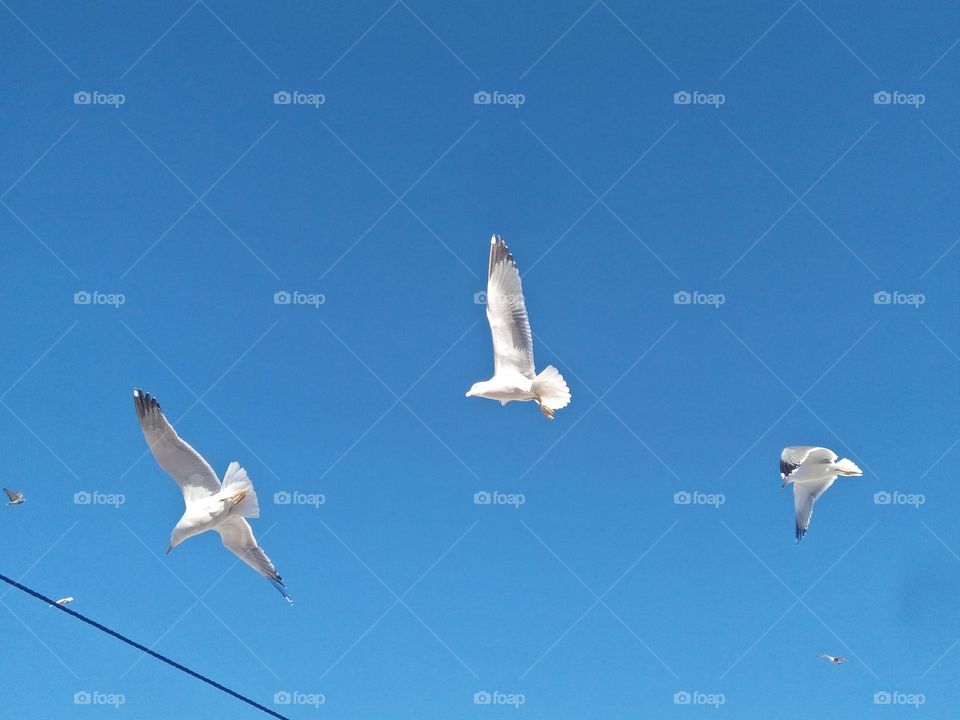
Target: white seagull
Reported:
[(15, 497), (831, 658), (514, 376), (812, 471), (209, 505), (64, 601)]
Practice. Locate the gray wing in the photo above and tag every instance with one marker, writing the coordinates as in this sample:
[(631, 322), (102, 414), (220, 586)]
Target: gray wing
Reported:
[(794, 456), (12, 494), (805, 494), (181, 462), (507, 313), (237, 536)]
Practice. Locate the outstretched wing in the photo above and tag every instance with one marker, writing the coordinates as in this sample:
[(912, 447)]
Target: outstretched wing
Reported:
[(237, 536), (12, 494), (184, 464), (805, 494), (507, 313), (794, 456)]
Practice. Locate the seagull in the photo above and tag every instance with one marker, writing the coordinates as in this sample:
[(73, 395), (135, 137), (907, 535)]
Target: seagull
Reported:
[(514, 377), (812, 471), (16, 497), (64, 601), (831, 658), (209, 505)]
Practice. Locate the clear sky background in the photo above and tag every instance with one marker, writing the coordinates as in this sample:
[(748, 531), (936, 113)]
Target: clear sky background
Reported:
[(198, 199)]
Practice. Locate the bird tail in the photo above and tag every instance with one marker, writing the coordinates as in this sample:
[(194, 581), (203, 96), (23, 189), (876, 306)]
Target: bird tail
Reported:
[(551, 390), (847, 467), (237, 484)]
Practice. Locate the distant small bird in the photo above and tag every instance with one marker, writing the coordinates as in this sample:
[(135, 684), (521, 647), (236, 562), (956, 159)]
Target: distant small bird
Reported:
[(16, 497), (831, 658), (812, 471), (514, 375), (64, 601), (208, 504)]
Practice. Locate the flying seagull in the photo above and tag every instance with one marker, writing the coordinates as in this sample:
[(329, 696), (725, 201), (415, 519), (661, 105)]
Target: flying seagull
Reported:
[(16, 497), (812, 471), (208, 504), (64, 601), (514, 376), (831, 658)]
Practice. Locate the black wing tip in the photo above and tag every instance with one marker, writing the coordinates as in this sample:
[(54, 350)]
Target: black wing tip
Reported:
[(144, 402), (281, 587), (499, 252), (800, 533)]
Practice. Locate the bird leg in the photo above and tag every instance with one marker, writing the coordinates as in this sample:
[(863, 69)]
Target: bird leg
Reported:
[(236, 498), (547, 412)]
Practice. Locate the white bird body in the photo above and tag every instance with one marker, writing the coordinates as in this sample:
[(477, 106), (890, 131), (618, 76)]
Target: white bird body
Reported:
[(208, 504), (514, 376), (236, 498), (811, 470), (505, 386)]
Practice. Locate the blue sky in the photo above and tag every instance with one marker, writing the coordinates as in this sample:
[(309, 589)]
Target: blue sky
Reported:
[(782, 199)]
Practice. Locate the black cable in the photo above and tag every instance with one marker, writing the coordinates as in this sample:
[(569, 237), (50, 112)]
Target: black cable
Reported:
[(138, 646)]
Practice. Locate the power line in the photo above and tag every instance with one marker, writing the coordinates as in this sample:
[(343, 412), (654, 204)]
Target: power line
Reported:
[(138, 646)]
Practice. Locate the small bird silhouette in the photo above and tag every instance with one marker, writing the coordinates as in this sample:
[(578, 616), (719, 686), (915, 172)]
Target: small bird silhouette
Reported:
[(16, 497), (831, 658)]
